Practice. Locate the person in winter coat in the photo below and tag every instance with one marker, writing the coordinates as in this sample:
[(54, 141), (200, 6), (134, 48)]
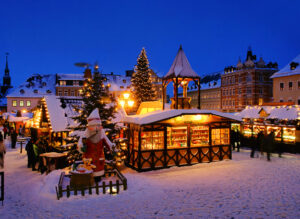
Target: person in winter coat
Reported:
[(2, 152), (257, 144), (5, 131), (232, 139), (30, 154), (270, 144), (13, 139)]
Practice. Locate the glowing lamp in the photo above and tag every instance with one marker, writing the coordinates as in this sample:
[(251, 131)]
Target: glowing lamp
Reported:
[(126, 96), (122, 103), (130, 103)]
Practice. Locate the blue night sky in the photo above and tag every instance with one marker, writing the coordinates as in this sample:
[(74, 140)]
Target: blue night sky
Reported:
[(50, 36)]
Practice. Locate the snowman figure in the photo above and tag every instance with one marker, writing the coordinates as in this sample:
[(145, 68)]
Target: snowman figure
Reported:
[(92, 144)]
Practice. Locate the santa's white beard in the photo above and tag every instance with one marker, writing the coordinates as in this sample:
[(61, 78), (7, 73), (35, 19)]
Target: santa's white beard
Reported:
[(94, 135)]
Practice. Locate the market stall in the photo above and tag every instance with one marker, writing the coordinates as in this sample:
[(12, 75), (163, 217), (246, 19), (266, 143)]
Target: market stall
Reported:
[(178, 137)]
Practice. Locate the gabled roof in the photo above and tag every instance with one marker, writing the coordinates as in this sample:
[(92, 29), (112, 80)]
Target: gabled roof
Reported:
[(286, 71), (160, 115), (181, 67)]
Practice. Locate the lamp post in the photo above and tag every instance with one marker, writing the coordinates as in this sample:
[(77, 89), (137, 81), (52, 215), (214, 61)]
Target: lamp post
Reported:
[(126, 102)]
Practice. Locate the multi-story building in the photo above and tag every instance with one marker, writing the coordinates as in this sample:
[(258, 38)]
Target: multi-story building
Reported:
[(286, 83), (246, 84), (28, 95), (157, 84), (210, 95)]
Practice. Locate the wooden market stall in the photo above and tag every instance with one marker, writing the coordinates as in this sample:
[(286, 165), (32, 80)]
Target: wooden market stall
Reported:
[(168, 138), (284, 120)]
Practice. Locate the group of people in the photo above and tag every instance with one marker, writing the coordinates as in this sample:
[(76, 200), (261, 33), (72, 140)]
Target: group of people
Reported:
[(235, 140), (34, 148), (265, 143)]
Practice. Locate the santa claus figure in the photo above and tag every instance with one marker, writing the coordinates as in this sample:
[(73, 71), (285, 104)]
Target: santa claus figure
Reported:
[(92, 144)]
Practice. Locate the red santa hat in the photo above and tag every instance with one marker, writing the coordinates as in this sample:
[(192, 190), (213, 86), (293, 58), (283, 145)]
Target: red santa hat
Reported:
[(94, 118)]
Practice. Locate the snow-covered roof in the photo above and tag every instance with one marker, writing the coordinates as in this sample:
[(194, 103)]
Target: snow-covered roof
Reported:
[(181, 67), (79, 76), (160, 115), (60, 118), (35, 86), (279, 112), (286, 71)]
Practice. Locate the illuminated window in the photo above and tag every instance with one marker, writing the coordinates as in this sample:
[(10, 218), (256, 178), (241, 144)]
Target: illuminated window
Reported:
[(152, 140), (21, 103), (220, 136), (62, 83), (260, 101), (14, 103), (28, 103)]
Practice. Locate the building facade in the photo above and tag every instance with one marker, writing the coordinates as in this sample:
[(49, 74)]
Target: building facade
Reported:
[(28, 95), (246, 84), (286, 83)]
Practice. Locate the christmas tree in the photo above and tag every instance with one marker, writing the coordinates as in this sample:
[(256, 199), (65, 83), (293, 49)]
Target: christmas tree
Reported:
[(96, 95), (141, 82)]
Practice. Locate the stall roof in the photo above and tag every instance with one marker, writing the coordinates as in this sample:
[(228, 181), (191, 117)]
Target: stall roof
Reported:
[(160, 115), (60, 118), (279, 112)]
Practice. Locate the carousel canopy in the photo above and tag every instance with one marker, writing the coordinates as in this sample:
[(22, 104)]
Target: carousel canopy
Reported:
[(160, 115), (181, 67)]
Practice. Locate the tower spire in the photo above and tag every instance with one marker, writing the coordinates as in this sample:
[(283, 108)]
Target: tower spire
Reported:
[(6, 65)]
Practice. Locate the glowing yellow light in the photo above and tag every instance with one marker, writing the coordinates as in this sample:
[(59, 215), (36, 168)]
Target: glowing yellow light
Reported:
[(130, 103), (122, 103), (126, 96), (197, 117), (24, 111)]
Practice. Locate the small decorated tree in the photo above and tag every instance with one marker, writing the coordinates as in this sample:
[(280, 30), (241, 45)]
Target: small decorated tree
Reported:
[(141, 82)]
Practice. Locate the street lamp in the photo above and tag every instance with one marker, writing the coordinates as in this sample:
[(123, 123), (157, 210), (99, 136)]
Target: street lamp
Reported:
[(125, 101)]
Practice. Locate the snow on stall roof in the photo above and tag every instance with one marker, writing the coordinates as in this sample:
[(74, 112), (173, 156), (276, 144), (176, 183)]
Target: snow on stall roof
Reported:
[(160, 115), (286, 71), (36, 86), (181, 66), (280, 112), (60, 118)]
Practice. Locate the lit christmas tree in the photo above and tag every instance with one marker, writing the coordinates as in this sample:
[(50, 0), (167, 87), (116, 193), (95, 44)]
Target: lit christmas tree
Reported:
[(96, 95), (141, 82)]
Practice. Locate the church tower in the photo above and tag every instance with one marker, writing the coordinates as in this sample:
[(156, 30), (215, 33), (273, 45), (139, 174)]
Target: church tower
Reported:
[(6, 77)]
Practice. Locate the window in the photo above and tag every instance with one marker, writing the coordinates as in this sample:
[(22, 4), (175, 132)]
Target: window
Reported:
[(14, 103), (72, 93), (28, 103), (240, 79), (59, 93), (233, 80), (69, 83), (249, 90), (21, 103), (240, 90), (176, 137), (281, 100), (260, 101), (249, 77), (152, 140), (261, 77), (76, 83), (233, 91), (66, 93), (290, 85), (124, 81), (260, 90), (220, 136), (230, 92), (281, 86), (62, 83)]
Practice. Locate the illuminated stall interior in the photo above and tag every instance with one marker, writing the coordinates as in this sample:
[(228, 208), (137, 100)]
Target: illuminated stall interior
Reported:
[(283, 120), (177, 137)]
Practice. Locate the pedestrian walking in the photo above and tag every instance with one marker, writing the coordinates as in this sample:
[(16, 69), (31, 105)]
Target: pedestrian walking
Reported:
[(232, 139), (270, 144), (2, 152), (30, 154), (257, 144), (238, 137), (4, 131), (13, 139)]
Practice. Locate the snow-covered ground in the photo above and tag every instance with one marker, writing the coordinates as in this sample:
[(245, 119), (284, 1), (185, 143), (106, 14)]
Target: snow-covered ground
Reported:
[(239, 188)]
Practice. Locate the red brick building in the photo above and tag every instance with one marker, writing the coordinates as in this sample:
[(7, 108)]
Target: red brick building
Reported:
[(246, 84)]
